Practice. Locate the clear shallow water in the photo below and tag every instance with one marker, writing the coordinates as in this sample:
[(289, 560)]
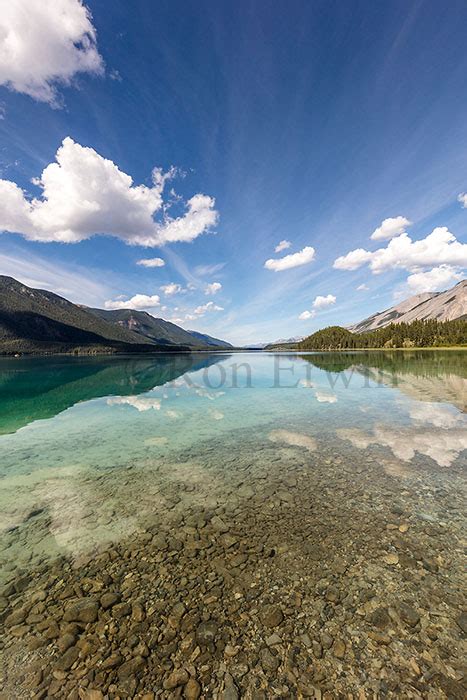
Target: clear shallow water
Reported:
[(68, 421), (332, 485)]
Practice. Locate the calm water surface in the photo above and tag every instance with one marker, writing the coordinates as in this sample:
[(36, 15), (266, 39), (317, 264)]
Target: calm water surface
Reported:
[(332, 485), (67, 422)]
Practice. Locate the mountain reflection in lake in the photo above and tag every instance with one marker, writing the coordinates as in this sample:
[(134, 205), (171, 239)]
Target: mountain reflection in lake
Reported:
[(308, 507)]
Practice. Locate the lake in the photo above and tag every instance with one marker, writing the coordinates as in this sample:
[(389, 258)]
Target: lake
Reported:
[(294, 521)]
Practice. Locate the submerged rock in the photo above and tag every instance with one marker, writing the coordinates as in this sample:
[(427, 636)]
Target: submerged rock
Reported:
[(84, 610)]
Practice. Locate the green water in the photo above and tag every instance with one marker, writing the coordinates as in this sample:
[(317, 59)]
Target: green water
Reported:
[(90, 447)]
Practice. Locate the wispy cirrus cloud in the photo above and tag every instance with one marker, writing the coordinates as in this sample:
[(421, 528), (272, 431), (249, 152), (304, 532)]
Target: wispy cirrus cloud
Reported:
[(203, 270), (74, 282)]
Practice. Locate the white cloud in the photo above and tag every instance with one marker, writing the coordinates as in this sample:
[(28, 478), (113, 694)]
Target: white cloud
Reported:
[(304, 257), (45, 43), (151, 262), (283, 245), (440, 247), (362, 288), (84, 194), (210, 306), (213, 288), (171, 289), (434, 280), (390, 228), (139, 302), (353, 260), (305, 315), (321, 302), (462, 198)]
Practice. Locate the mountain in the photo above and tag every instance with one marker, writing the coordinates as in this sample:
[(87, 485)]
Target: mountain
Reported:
[(275, 343), (36, 320), (439, 306), (209, 340), (287, 341), (149, 328), (423, 333)]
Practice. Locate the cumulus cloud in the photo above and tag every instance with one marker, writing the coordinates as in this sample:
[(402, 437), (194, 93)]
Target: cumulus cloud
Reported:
[(139, 302), (434, 280), (362, 288), (171, 289), (303, 257), (283, 245), (353, 260), (84, 194), (321, 302), (390, 228), (306, 315), (45, 43), (462, 198), (440, 247), (213, 288), (151, 262), (204, 308)]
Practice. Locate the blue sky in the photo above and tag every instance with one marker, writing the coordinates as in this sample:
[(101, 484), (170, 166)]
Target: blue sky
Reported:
[(304, 122)]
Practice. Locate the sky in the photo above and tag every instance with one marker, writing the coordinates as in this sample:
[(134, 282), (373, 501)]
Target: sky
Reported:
[(250, 170)]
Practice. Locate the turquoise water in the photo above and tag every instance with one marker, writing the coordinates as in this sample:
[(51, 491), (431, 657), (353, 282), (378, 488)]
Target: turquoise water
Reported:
[(90, 447)]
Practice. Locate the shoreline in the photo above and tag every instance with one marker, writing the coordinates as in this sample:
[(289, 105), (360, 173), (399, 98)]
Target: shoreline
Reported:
[(226, 351), (347, 350)]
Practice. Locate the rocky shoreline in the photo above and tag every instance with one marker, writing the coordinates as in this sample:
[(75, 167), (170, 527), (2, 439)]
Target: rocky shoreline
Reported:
[(295, 575)]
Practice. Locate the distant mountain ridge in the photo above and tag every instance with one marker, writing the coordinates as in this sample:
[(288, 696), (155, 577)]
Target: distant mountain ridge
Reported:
[(152, 329), (209, 340), (39, 321), (439, 306)]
